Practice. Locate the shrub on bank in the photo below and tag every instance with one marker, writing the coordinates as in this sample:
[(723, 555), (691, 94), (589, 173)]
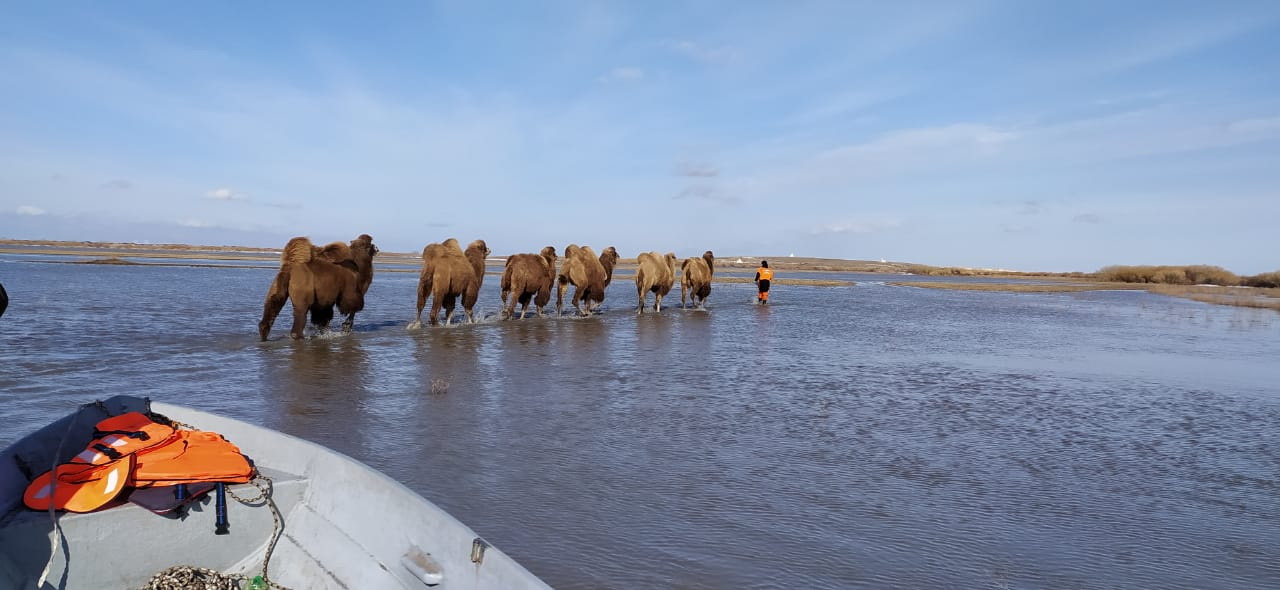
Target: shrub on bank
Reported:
[(1265, 280), (1199, 274)]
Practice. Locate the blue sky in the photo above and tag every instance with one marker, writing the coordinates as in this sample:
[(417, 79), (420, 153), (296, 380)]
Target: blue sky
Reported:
[(1002, 134)]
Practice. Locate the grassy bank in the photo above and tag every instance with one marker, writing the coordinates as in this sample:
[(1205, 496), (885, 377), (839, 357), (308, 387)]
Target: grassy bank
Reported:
[(1259, 297), (1195, 274)]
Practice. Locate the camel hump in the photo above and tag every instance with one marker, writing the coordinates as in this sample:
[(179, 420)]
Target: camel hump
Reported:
[(588, 252), (548, 252), (298, 251), (335, 252), (452, 244), (432, 250)]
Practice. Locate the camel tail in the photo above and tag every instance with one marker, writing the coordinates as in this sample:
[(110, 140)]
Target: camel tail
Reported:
[(298, 251)]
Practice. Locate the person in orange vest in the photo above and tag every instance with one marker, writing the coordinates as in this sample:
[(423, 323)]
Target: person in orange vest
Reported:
[(764, 275)]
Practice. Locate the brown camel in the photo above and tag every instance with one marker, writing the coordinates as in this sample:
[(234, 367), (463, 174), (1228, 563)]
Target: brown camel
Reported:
[(313, 280), (656, 273), (608, 259), (362, 253), (528, 276), (447, 273), (584, 271), (695, 276)]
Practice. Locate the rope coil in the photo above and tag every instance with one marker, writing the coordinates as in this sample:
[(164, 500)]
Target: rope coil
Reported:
[(188, 577)]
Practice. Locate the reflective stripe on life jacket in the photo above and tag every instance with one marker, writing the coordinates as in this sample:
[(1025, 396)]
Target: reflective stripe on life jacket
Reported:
[(766, 274), (80, 487), (117, 436)]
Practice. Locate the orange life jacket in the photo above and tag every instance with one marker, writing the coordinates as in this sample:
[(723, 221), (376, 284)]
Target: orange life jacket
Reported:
[(766, 274), (133, 450)]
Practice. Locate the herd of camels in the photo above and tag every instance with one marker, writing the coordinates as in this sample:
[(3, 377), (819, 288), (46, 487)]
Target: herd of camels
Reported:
[(317, 279)]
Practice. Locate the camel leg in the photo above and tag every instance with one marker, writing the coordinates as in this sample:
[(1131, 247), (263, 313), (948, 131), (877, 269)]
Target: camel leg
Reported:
[(682, 290), (657, 303), (321, 316), (450, 302), (423, 291), (469, 304), (436, 301), (276, 297), (560, 290), (640, 298), (299, 322)]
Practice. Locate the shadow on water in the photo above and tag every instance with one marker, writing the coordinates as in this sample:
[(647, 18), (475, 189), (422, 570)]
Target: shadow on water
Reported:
[(318, 387)]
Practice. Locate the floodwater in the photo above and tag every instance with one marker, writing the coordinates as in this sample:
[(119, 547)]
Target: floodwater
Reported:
[(840, 437)]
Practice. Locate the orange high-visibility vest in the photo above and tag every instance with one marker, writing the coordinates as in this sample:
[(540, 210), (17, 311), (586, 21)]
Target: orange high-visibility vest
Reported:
[(766, 274), (133, 450)]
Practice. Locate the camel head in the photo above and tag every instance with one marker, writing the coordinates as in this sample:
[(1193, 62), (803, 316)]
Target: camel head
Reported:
[(610, 254), (671, 261), (365, 241), (479, 246)]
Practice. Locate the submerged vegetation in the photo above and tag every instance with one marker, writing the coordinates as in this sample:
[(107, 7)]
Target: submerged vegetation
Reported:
[(108, 260)]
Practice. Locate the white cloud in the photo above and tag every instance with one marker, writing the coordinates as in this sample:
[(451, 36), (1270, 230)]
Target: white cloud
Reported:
[(697, 169), (189, 222), (702, 53), (622, 74), (225, 194), (854, 227), (1264, 126), (29, 210), (118, 184), (703, 192)]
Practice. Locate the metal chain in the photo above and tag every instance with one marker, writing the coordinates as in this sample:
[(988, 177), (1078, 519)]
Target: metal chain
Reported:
[(188, 577)]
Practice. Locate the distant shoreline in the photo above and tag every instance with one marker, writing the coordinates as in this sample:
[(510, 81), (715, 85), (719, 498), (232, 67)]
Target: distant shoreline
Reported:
[(226, 252), (112, 253)]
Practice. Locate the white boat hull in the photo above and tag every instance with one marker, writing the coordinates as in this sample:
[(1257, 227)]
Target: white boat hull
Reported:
[(345, 525)]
